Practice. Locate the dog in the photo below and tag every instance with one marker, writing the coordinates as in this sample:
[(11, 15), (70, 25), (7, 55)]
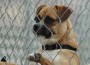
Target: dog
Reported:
[(54, 29)]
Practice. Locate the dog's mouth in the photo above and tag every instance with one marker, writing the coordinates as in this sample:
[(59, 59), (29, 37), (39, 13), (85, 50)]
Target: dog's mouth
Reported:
[(43, 31)]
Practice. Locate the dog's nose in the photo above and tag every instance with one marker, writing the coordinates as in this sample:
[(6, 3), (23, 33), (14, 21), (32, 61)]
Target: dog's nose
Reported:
[(36, 27)]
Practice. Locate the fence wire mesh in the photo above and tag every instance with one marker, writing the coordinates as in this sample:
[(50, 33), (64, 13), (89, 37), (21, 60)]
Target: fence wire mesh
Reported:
[(16, 21)]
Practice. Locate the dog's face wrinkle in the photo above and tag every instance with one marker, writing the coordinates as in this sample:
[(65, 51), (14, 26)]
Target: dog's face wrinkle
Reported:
[(48, 20), (37, 18)]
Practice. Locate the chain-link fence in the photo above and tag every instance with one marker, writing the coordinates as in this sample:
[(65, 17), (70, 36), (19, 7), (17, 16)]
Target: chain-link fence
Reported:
[(16, 21)]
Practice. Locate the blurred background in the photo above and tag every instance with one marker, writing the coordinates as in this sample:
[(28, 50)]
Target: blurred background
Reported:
[(17, 18)]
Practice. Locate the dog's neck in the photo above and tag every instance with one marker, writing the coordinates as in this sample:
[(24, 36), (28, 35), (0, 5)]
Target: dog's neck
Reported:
[(58, 46)]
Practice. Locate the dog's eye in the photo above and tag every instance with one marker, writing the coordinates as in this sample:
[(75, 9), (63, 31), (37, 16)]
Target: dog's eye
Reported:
[(48, 20), (37, 19)]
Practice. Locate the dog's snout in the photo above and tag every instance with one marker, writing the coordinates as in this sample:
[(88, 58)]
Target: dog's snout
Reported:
[(43, 30), (36, 27)]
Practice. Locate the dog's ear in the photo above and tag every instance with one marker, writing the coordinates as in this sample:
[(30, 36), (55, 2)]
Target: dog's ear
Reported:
[(39, 8), (63, 12)]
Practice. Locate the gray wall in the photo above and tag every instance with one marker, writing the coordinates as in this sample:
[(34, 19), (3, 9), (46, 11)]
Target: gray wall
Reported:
[(16, 21)]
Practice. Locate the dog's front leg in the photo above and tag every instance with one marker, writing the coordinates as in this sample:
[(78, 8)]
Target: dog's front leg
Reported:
[(36, 57)]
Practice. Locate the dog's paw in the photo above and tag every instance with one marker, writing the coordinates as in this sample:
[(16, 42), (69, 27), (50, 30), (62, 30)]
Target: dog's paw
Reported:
[(34, 57)]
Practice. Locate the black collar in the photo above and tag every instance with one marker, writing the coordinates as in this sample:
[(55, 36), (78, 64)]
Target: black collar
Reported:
[(58, 46)]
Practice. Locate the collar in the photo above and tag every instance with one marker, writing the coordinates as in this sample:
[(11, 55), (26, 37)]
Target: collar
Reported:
[(58, 46)]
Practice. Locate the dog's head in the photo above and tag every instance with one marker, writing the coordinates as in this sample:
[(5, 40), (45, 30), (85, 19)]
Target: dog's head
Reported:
[(51, 21)]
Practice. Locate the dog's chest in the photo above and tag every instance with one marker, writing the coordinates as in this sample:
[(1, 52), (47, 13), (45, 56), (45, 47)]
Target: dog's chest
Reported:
[(53, 55)]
